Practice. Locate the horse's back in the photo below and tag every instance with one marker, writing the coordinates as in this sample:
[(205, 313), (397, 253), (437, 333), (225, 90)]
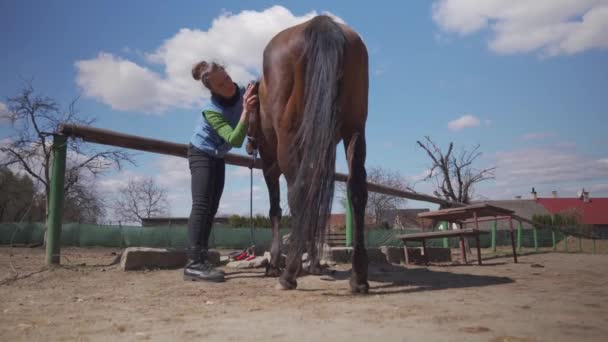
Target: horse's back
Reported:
[(354, 82), (284, 64)]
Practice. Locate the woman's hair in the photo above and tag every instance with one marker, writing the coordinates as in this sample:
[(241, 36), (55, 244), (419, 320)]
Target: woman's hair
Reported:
[(202, 70)]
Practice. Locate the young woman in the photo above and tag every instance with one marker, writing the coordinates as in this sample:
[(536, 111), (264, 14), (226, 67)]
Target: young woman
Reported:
[(222, 125)]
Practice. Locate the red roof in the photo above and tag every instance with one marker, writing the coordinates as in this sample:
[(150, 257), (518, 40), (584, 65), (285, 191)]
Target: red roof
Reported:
[(593, 212)]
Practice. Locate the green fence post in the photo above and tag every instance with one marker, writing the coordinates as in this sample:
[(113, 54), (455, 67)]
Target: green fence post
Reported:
[(553, 240), (53, 242), (349, 221), (446, 242), (494, 227), (535, 232), (519, 231), (593, 246), (123, 243)]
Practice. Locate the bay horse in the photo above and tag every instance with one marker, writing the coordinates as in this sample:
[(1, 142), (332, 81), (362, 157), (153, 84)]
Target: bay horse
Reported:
[(312, 95)]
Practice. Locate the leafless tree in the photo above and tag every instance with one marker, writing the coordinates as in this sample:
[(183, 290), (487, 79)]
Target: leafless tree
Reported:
[(454, 175), (34, 119), (140, 199), (378, 203), (83, 204)]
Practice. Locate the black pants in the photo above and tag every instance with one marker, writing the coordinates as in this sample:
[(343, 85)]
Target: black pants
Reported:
[(207, 185)]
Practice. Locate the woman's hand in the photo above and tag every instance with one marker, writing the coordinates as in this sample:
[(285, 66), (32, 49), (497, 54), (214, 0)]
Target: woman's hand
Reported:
[(250, 100)]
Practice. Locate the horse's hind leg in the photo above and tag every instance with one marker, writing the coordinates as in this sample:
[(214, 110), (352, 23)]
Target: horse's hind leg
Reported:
[(357, 189), (314, 260), (293, 264)]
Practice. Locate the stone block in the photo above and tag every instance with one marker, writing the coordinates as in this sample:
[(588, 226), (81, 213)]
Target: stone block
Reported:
[(394, 255), (257, 262), (433, 254), (343, 255), (139, 258)]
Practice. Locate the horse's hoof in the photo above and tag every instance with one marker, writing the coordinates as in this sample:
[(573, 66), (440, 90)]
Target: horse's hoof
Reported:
[(273, 272), (286, 285), (362, 288), (280, 287)]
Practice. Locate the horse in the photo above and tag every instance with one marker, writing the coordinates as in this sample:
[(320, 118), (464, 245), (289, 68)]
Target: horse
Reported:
[(313, 93)]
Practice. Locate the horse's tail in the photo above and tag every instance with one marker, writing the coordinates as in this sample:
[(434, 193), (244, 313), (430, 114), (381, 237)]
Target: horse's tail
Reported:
[(313, 189)]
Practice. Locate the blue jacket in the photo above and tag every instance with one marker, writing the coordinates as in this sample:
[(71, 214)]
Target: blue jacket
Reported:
[(205, 138)]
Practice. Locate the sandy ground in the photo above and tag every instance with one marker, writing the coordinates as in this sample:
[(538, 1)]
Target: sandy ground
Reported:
[(564, 300)]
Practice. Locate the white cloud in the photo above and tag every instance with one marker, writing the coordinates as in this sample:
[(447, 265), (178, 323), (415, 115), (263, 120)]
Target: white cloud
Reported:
[(379, 71), (170, 172), (4, 115), (124, 85), (598, 188), (548, 166), (537, 136), (173, 172), (419, 177), (242, 172), (111, 184), (565, 144), (552, 27), (465, 121), (237, 40)]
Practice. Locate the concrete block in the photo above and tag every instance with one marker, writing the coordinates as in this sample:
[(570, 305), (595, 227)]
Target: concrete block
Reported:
[(394, 255), (415, 255), (282, 258), (438, 254), (138, 258), (343, 255), (434, 254), (257, 262)]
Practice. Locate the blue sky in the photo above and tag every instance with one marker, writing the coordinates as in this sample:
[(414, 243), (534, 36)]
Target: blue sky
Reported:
[(527, 83)]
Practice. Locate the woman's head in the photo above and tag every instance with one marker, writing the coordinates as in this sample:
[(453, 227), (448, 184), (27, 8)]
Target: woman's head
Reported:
[(215, 78)]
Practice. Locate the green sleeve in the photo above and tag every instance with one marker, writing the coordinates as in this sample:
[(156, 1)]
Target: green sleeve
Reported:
[(234, 137)]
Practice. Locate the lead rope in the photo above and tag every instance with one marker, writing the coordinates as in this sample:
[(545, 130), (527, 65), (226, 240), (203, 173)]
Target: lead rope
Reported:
[(252, 226)]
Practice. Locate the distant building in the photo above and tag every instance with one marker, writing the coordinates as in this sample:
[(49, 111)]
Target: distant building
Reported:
[(590, 211), (338, 222), (401, 218)]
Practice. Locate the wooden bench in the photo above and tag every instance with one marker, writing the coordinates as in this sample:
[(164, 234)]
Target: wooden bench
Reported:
[(461, 233)]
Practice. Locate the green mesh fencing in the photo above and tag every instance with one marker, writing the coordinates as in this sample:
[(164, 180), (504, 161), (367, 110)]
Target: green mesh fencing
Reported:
[(379, 237), (84, 235), (21, 233)]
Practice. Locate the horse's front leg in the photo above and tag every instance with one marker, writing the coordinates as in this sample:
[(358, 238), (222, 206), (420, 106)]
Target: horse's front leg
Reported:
[(274, 193)]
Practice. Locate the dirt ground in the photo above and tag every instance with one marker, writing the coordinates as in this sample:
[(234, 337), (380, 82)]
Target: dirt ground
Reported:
[(546, 297)]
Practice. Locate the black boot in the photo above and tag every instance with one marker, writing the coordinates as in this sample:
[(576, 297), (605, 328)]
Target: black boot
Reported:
[(198, 268), (205, 262)]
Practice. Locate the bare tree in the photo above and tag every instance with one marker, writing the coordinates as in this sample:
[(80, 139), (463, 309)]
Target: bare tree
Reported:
[(34, 118), (18, 198), (83, 204), (378, 203), (454, 175), (140, 199)]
